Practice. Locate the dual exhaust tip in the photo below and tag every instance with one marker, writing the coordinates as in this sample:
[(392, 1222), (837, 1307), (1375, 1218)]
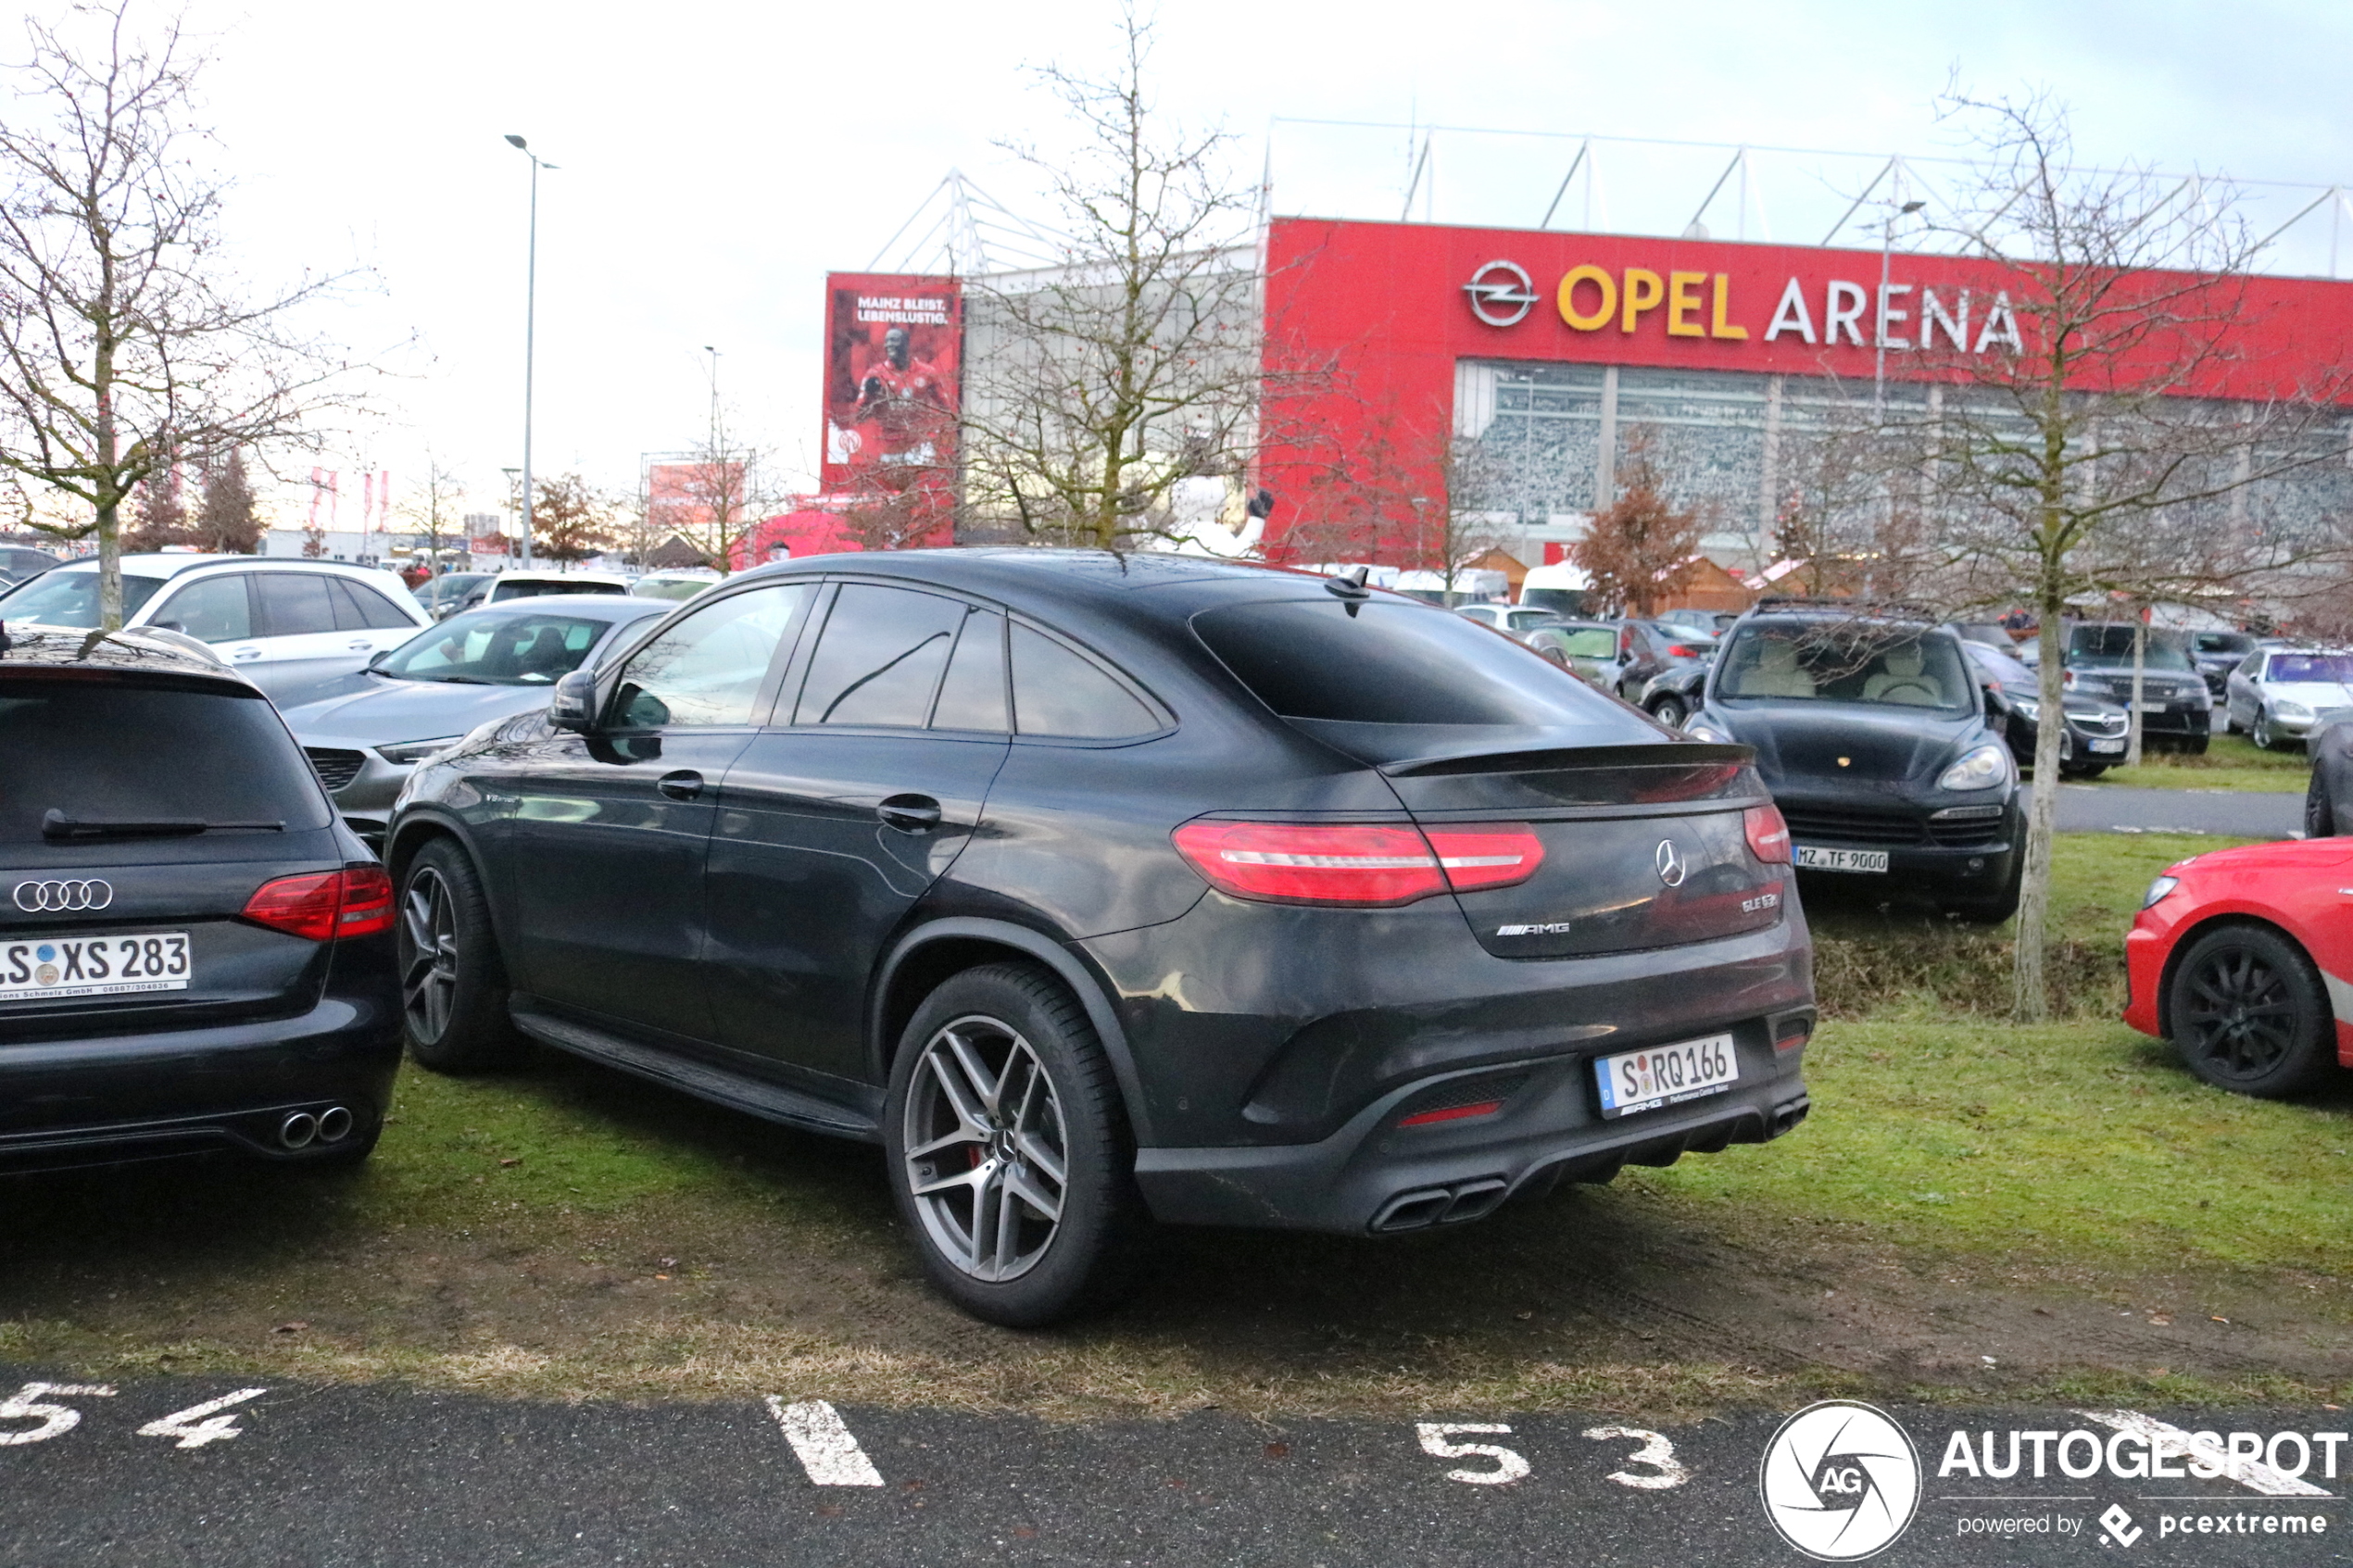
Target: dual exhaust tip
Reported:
[(301, 1129)]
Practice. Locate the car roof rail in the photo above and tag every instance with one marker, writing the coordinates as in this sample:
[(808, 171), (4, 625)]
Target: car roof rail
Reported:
[(1861, 606)]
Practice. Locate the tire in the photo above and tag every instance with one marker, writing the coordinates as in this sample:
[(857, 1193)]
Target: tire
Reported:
[(999, 1076), (2196, 745), (1669, 711), (2087, 772), (1994, 908), (2260, 733), (2247, 1013), (453, 983), (2320, 813)]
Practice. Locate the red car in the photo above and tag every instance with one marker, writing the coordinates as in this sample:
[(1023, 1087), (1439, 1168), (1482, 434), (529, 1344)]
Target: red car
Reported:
[(2242, 959)]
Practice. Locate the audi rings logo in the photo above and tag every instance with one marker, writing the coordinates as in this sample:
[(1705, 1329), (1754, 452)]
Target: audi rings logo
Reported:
[(59, 896), (1839, 1481), (1672, 867), (1502, 293)]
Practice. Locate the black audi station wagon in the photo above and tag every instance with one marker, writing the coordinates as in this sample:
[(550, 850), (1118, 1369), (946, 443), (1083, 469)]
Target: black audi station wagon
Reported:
[(1104, 888), (195, 955)]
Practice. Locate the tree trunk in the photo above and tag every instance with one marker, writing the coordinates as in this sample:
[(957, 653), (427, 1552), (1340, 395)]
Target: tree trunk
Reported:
[(2029, 995), (109, 566), (2140, 667)]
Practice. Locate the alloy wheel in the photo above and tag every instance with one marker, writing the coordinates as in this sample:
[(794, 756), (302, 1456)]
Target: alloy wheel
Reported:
[(428, 954), (2243, 1021), (1669, 712), (986, 1151), (2261, 733)]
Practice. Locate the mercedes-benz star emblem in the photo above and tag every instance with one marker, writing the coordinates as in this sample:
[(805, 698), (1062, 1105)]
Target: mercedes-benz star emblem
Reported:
[(1502, 293), (1673, 868), (59, 896)]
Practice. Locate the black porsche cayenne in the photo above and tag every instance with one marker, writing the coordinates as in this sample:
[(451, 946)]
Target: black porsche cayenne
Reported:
[(195, 955), (1101, 889)]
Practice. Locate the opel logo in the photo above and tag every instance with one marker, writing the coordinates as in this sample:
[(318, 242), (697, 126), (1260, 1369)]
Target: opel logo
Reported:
[(32, 896), (1672, 867), (1502, 293)]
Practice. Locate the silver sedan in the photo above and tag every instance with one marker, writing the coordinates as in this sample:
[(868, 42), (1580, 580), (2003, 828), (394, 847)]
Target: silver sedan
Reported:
[(2275, 694)]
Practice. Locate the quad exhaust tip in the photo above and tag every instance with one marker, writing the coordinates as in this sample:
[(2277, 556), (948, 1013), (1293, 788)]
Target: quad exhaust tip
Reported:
[(302, 1128)]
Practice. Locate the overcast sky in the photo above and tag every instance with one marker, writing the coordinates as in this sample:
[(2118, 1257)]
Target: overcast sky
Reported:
[(718, 158)]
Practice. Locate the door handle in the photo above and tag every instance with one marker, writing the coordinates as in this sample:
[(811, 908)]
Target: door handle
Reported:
[(909, 813), (245, 654), (684, 785), (363, 646)]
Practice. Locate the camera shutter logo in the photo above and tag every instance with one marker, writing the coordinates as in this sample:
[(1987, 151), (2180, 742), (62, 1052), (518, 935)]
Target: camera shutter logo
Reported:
[(1502, 293), (61, 897), (1839, 1481), (1672, 867)]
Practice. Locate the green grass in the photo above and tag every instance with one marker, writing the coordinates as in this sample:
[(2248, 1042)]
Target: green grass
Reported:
[(2229, 762)]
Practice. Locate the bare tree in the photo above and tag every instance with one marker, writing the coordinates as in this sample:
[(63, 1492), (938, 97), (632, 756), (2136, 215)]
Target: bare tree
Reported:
[(724, 497), (2087, 454), (227, 520), (432, 511), (1636, 542), (1093, 388), (160, 507), (122, 338)]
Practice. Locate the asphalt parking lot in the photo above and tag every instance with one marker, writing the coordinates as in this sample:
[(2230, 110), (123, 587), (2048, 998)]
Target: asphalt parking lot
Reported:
[(2234, 813), (324, 1476)]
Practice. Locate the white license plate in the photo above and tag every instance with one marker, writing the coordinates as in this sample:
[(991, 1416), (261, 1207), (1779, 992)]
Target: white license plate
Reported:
[(1841, 859), (2108, 745), (92, 966), (2151, 706), (1666, 1074)]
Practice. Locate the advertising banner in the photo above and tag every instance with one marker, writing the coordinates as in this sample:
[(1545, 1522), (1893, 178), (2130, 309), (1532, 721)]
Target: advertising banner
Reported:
[(894, 346)]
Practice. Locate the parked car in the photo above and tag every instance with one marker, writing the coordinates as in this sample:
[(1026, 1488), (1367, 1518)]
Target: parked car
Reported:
[(2098, 731), (1715, 622), (1514, 619), (2216, 654), (2328, 795), (2276, 694), (502, 586), (1589, 648), (1986, 634), (428, 693), (2176, 710), (1878, 745), (441, 595), (194, 954), (291, 627), (17, 563), (675, 586), (1095, 887), (2239, 958)]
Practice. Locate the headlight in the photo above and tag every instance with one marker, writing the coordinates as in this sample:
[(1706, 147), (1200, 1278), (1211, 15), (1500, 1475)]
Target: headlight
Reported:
[(2028, 708), (2159, 889), (2287, 709), (411, 751), (1700, 729), (1981, 769)]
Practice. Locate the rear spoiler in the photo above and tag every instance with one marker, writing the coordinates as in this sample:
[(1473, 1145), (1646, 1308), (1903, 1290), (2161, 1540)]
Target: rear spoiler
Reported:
[(1556, 760)]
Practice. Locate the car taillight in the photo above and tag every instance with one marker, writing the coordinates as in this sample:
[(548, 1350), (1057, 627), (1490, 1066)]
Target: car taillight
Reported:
[(1490, 855), (325, 906), (1768, 834), (1679, 651), (1361, 863)]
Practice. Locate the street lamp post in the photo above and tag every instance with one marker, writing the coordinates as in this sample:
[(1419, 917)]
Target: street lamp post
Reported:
[(530, 329), (1879, 320)]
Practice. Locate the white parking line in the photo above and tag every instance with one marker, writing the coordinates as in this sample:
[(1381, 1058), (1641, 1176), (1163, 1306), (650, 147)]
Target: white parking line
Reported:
[(2172, 1442), (823, 1443)]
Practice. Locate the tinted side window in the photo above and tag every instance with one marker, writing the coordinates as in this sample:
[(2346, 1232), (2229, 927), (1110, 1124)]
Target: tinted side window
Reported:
[(361, 608), (1057, 692), (973, 697), (880, 659), (1391, 663), (104, 748), (293, 604), (214, 610), (710, 666)]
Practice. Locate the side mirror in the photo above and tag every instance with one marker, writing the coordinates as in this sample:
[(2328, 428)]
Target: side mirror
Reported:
[(572, 704)]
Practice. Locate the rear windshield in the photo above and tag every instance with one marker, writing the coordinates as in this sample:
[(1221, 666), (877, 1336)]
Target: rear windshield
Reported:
[(2223, 642), (1844, 661), (2108, 647), (498, 648), (506, 591), (70, 598), (1388, 663), (1587, 642), (100, 749), (2325, 667)]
